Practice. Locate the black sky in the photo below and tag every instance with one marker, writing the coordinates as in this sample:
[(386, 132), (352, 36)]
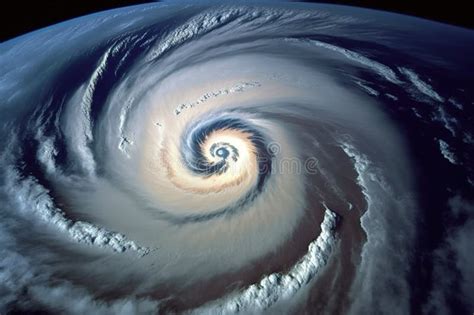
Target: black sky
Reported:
[(18, 17)]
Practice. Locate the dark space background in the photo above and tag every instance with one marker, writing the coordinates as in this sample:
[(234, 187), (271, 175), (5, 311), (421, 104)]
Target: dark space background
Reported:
[(18, 17)]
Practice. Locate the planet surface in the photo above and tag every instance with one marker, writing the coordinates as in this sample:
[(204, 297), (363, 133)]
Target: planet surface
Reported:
[(252, 158)]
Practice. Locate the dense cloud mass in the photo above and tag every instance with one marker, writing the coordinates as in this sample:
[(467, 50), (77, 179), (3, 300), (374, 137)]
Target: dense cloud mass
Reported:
[(263, 158)]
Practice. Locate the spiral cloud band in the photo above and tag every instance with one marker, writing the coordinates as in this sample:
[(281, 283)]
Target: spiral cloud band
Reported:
[(212, 159)]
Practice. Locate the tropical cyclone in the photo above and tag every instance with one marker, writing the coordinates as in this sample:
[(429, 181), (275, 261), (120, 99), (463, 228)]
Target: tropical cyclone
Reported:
[(231, 159)]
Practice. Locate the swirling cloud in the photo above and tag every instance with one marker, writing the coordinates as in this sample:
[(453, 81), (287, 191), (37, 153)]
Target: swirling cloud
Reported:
[(219, 159)]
